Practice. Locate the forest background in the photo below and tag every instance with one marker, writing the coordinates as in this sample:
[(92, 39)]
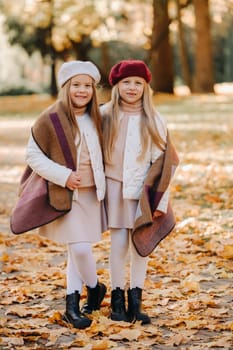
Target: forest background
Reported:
[(185, 42), (189, 48)]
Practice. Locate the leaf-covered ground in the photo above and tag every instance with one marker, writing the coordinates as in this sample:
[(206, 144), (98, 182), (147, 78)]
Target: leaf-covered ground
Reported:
[(189, 286)]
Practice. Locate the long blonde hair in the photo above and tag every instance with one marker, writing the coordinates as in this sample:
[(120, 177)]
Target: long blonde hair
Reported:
[(92, 109), (148, 125)]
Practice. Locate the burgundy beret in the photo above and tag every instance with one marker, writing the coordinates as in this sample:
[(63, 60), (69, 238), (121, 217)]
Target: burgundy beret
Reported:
[(129, 68)]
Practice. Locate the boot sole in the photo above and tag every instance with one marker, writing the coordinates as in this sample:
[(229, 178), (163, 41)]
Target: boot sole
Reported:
[(135, 319), (80, 324), (115, 317)]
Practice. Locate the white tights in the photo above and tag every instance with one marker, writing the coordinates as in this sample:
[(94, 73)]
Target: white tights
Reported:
[(120, 244), (81, 267)]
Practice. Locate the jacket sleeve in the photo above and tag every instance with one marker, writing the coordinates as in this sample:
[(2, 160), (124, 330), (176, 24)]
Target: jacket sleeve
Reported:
[(156, 152), (44, 166), (162, 130)]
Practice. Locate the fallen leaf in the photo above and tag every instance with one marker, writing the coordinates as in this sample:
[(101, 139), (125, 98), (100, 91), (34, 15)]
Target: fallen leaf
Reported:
[(128, 334)]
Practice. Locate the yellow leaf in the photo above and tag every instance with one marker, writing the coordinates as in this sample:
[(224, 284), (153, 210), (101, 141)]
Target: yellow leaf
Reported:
[(190, 286), (227, 252), (176, 339), (196, 324), (13, 341), (4, 257), (213, 198), (129, 334), (100, 345), (196, 305), (223, 342), (230, 326), (163, 302), (23, 311), (55, 317)]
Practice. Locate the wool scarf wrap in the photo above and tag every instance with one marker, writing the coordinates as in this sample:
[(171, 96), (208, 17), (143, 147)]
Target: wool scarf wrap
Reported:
[(156, 183), (46, 138)]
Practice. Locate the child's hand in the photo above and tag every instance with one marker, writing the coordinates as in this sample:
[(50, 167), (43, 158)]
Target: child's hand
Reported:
[(156, 214), (73, 181)]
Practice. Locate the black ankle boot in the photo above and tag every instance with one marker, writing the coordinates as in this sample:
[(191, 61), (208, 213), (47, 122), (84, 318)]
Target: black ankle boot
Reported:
[(118, 312), (94, 298), (134, 306), (73, 314)]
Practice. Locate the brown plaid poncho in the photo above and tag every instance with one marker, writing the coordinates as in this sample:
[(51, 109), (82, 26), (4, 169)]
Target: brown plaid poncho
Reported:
[(148, 232)]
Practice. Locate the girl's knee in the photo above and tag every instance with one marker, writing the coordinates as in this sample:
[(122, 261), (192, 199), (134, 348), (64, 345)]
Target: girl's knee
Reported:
[(81, 250)]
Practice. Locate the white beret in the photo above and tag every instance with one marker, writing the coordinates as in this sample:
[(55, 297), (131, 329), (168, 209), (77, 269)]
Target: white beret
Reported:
[(72, 68)]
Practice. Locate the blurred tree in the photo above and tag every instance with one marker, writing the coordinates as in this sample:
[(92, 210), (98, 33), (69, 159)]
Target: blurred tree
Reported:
[(71, 29), (33, 33), (185, 67), (220, 14), (57, 29), (124, 32), (204, 72), (222, 33), (228, 53), (106, 31), (161, 51)]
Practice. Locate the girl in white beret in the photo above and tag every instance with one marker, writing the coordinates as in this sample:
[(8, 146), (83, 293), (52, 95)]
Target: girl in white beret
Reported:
[(135, 138), (83, 187)]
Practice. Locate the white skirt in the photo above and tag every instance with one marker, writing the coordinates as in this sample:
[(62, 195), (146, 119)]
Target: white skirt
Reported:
[(84, 223)]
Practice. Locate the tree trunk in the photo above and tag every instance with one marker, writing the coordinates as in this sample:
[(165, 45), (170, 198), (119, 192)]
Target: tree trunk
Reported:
[(204, 72), (228, 56), (82, 48), (161, 51), (53, 84), (105, 64), (183, 51)]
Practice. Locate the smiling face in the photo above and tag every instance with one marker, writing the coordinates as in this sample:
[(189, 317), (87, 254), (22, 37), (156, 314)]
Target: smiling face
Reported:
[(81, 90), (131, 89)]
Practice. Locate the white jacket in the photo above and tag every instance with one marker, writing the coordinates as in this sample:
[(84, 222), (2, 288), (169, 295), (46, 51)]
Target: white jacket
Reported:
[(59, 174)]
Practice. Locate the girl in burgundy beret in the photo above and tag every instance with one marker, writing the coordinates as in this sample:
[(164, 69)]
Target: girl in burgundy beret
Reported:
[(134, 137)]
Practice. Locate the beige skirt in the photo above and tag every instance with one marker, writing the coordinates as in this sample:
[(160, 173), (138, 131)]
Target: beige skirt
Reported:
[(84, 223), (121, 212)]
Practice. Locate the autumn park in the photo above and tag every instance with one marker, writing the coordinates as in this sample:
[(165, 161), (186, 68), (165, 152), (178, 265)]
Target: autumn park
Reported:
[(189, 283)]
